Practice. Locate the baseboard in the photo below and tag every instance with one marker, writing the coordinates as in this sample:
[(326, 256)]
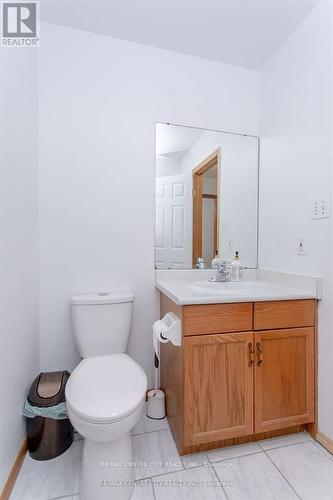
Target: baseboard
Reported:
[(325, 441), (14, 472)]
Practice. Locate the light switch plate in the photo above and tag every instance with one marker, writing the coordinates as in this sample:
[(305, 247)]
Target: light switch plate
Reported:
[(320, 208)]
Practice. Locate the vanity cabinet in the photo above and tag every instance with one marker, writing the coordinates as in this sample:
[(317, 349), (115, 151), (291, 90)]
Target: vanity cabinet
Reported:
[(244, 372), (284, 378), (218, 387)]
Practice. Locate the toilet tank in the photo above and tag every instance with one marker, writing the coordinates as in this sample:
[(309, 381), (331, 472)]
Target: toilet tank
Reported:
[(102, 322)]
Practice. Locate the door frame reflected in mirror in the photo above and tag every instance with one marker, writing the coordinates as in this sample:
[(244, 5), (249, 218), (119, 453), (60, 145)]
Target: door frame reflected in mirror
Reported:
[(213, 160)]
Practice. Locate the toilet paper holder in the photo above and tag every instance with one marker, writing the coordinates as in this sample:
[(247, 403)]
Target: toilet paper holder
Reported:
[(172, 329), (165, 330)]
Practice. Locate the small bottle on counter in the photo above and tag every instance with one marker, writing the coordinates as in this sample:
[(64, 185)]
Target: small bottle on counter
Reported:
[(216, 260), (200, 263), (237, 269)]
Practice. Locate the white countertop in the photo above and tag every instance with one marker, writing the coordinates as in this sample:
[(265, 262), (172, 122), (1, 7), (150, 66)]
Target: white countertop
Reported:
[(271, 285)]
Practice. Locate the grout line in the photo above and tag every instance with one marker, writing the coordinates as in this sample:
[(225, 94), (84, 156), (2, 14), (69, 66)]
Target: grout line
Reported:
[(219, 480), (286, 445), (154, 493), (150, 432), (153, 489), (194, 466), (189, 468), (284, 477), (232, 458), (143, 479), (163, 474), (150, 480), (64, 496), (197, 466)]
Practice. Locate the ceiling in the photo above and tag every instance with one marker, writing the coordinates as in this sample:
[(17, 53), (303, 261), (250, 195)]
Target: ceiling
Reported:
[(240, 32), (174, 142)]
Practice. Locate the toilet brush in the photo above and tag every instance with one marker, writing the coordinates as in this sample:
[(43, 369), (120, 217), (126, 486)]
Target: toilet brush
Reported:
[(156, 397)]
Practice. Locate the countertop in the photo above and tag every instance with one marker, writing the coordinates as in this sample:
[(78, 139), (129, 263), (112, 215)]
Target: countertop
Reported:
[(272, 285)]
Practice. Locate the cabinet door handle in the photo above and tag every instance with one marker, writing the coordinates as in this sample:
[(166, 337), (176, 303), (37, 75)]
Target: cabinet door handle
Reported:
[(261, 357), (251, 354)]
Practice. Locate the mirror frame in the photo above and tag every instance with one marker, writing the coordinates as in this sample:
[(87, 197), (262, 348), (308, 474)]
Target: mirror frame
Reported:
[(218, 154)]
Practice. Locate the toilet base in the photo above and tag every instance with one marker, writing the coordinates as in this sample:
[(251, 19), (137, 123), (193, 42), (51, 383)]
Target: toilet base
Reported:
[(107, 470)]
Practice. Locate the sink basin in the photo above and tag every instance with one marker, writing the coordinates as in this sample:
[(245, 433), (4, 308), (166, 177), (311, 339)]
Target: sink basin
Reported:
[(229, 287)]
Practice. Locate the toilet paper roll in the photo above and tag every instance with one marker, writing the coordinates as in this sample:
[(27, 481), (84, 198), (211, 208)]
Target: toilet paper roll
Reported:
[(158, 329)]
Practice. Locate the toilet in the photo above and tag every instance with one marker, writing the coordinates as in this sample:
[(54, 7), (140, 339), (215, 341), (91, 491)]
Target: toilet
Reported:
[(105, 394)]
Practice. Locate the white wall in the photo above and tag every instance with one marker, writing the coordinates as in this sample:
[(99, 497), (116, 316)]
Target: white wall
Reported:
[(19, 348), (167, 166), (99, 101), (296, 164), (238, 192)]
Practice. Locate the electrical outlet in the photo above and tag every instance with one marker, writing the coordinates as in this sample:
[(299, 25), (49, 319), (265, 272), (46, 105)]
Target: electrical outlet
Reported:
[(300, 240), (320, 208)]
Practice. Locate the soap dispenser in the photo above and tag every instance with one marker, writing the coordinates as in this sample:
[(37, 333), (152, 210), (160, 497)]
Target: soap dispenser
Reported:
[(237, 269)]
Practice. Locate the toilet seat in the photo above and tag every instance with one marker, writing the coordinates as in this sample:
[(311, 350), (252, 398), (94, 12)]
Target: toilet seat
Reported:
[(106, 389)]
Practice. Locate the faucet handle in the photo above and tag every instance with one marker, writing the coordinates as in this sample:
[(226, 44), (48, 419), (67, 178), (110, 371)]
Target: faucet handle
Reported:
[(223, 265), (222, 271)]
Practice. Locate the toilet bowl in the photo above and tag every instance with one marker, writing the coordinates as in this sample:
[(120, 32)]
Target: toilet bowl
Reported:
[(105, 395)]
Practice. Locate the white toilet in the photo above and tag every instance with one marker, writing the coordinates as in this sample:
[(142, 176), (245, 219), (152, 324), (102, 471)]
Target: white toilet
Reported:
[(105, 394)]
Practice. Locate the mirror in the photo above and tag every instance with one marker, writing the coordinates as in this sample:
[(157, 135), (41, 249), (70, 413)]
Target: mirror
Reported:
[(206, 197)]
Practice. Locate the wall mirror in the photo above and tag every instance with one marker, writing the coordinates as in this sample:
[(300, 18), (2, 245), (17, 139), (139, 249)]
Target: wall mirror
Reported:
[(206, 196)]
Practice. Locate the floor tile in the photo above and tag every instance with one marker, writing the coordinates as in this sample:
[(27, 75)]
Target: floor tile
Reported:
[(146, 424), (155, 453), (199, 483), (194, 460), (299, 437), (233, 451), (253, 477), (307, 469), (41, 480), (143, 490)]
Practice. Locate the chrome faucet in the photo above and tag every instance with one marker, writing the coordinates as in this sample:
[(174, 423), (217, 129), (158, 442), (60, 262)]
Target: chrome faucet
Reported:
[(222, 272)]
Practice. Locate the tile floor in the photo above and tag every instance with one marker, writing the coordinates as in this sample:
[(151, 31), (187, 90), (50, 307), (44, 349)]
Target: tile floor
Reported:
[(290, 467)]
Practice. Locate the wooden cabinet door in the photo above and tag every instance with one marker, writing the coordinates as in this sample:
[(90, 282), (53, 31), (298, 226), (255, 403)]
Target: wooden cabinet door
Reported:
[(284, 378), (218, 387)]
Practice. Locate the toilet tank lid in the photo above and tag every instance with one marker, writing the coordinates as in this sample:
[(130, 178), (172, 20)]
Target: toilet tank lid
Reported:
[(102, 298)]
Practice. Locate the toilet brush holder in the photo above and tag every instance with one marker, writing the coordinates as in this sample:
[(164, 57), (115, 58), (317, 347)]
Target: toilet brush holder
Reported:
[(156, 404)]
